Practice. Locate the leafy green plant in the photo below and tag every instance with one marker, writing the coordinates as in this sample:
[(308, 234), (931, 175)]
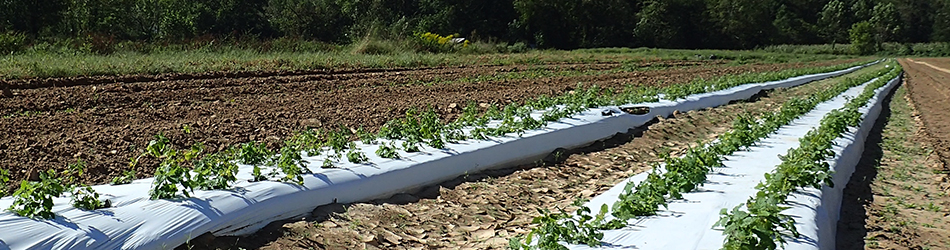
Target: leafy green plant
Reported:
[(356, 156), (758, 227), (35, 199), (307, 140), (387, 151), (292, 165), (171, 171), (253, 153), (258, 176), (553, 227), (215, 171), (327, 163), (366, 137), (410, 146), (4, 178), (339, 140), (127, 177), (86, 198)]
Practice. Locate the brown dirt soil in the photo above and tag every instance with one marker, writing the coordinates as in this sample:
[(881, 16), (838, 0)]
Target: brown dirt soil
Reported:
[(929, 87), (898, 196), (107, 121), (484, 210)]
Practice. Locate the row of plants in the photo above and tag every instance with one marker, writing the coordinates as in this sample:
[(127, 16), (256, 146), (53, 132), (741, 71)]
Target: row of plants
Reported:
[(761, 225), (34, 199), (181, 171), (681, 175)]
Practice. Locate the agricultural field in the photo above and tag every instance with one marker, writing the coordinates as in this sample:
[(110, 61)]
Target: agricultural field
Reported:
[(105, 121), (187, 132)]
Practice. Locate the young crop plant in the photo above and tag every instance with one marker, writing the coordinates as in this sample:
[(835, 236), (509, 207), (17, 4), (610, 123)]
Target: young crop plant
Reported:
[(307, 140), (339, 140), (410, 146), (127, 177), (171, 171), (253, 153), (366, 137), (215, 171), (553, 227), (292, 164), (356, 156), (258, 176), (86, 198), (35, 199), (168, 176), (4, 178), (387, 151), (469, 115), (327, 163)]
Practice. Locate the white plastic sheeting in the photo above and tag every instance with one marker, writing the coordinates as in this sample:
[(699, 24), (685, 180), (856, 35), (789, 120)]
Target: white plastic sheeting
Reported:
[(688, 223), (135, 222)]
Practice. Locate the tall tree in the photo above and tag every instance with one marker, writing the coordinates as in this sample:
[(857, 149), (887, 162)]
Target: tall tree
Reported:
[(741, 21), (941, 22), (832, 22), (886, 22), (576, 23), (671, 24)]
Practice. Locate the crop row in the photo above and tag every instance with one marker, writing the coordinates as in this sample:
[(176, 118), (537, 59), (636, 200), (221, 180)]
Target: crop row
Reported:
[(761, 225), (181, 171), (681, 175)]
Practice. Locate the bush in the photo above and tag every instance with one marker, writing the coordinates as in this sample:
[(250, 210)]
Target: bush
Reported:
[(438, 44), (11, 42), (862, 38)]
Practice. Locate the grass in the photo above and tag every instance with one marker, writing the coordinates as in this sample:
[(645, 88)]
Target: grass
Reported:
[(935, 49), (44, 63)]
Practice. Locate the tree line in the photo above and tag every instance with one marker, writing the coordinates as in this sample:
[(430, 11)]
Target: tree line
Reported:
[(564, 24)]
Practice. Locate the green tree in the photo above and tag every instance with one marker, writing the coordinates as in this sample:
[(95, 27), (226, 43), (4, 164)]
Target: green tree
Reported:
[(861, 10), (311, 19), (941, 22), (862, 38), (886, 23), (744, 23), (792, 29), (480, 19), (577, 23), (671, 24), (832, 22), (32, 17)]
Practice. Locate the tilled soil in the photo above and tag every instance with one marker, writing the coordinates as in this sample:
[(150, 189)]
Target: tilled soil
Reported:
[(929, 89), (484, 210), (106, 124), (898, 197)]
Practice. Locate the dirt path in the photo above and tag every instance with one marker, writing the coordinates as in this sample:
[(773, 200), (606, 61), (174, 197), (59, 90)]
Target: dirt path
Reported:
[(484, 210), (106, 124), (896, 198), (929, 91)]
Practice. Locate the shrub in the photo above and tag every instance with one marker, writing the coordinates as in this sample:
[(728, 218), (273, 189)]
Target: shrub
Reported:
[(11, 42), (436, 43), (862, 38)]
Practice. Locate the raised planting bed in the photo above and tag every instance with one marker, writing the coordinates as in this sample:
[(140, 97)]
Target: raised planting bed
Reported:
[(702, 196), (143, 216)]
